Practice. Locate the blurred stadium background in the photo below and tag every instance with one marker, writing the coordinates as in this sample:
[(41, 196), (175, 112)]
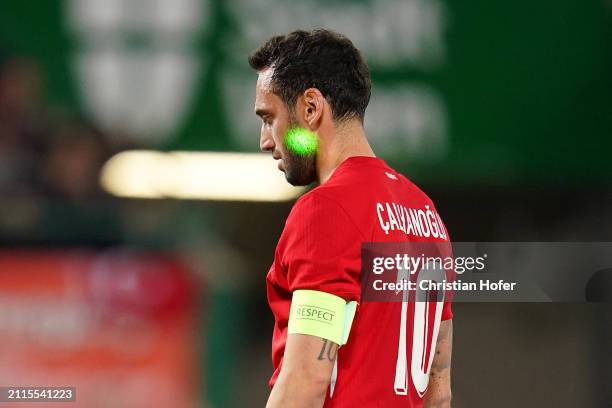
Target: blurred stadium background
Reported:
[(139, 277)]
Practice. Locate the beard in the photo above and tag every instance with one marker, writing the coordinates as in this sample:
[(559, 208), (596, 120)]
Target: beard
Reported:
[(300, 170)]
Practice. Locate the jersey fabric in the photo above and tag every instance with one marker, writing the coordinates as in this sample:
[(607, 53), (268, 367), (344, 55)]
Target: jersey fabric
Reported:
[(320, 249)]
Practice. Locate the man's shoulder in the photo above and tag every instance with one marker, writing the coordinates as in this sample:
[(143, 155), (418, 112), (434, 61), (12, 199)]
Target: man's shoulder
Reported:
[(322, 205), (315, 201), (339, 194), (353, 196), (356, 188)]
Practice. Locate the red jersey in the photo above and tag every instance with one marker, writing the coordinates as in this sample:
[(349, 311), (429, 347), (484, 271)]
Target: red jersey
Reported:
[(320, 249)]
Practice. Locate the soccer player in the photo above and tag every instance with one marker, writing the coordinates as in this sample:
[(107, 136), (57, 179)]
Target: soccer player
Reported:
[(329, 348)]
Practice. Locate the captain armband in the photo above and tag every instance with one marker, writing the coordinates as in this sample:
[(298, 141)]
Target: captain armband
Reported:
[(321, 314)]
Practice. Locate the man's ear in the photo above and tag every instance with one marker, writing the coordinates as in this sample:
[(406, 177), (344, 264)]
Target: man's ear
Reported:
[(314, 105)]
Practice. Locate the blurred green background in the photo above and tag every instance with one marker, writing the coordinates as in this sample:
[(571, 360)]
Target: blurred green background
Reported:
[(502, 112), (474, 92)]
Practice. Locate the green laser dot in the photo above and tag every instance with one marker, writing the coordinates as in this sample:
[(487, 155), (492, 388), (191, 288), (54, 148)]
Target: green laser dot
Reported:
[(301, 141)]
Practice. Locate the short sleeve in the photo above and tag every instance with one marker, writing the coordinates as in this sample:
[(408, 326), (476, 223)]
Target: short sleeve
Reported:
[(320, 248)]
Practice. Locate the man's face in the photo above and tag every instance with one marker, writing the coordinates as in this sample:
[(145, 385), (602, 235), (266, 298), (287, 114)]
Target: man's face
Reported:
[(299, 169)]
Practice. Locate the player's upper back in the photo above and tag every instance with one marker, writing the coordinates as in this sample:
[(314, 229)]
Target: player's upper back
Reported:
[(383, 204)]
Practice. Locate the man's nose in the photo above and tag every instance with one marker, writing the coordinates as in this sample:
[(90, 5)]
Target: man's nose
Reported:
[(266, 143)]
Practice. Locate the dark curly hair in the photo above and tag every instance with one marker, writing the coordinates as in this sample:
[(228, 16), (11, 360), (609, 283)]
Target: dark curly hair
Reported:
[(321, 59)]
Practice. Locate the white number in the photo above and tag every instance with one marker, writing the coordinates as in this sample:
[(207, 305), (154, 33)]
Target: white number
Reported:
[(421, 345)]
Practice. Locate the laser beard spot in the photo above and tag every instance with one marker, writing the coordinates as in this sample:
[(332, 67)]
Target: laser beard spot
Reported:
[(301, 146)]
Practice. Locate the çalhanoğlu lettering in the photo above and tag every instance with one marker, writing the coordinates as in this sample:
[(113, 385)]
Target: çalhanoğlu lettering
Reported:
[(418, 222)]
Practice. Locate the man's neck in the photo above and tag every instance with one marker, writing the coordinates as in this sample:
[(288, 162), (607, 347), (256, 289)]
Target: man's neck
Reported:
[(347, 140)]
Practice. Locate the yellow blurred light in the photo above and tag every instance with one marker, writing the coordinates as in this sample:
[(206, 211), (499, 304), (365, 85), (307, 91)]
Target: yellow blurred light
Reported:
[(196, 175)]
